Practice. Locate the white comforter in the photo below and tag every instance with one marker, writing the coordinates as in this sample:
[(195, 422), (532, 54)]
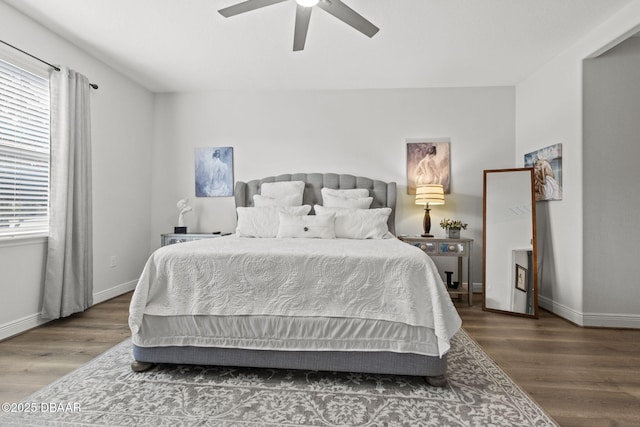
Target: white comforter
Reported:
[(383, 280)]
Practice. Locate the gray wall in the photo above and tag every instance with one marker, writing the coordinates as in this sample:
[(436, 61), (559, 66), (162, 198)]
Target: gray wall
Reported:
[(612, 181)]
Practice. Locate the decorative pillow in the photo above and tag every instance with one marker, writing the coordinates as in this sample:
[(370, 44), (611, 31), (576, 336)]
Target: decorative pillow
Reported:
[(310, 226), (277, 190), (261, 201), (331, 201), (359, 223), (351, 193), (264, 221)]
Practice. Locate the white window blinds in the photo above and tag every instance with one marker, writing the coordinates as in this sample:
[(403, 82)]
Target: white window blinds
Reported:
[(24, 152)]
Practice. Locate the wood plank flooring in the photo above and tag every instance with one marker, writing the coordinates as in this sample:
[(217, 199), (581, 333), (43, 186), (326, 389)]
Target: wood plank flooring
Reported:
[(582, 377), (38, 357)]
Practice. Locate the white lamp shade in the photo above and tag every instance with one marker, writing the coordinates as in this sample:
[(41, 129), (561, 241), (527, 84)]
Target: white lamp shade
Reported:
[(432, 194)]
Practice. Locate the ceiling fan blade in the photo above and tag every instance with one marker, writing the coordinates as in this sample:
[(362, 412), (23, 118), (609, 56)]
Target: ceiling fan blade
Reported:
[(303, 16), (348, 16), (247, 6)]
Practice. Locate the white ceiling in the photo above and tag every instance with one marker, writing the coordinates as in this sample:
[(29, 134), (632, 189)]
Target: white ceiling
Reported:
[(185, 45)]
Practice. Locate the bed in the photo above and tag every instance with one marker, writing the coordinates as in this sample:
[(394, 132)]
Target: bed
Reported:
[(374, 305)]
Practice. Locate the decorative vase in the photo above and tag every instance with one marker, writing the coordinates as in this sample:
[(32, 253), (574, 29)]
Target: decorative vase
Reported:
[(453, 233)]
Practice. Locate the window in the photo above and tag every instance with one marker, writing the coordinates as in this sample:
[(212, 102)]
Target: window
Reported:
[(24, 152)]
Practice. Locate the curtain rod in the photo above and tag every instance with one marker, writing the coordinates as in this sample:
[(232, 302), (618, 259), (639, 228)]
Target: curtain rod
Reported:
[(93, 85)]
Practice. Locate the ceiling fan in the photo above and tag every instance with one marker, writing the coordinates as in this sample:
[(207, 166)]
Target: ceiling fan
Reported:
[(303, 14)]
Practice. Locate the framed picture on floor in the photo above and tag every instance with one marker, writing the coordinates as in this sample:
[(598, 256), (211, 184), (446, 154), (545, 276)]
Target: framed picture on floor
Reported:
[(521, 278)]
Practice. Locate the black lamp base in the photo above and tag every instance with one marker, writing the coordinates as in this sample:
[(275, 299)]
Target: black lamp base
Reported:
[(426, 222), (180, 230)]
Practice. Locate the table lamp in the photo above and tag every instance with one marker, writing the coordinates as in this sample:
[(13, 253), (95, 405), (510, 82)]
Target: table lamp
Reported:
[(429, 194)]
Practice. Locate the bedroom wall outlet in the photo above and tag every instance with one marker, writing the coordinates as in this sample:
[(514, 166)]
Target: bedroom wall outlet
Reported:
[(113, 261)]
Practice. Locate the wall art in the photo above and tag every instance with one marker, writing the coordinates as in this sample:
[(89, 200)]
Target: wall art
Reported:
[(547, 165), (214, 171), (428, 162)]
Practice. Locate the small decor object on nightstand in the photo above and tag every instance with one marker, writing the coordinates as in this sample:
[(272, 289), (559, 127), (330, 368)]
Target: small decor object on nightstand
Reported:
[(183, 208), (450, 283), (425, 194), (453, 227)]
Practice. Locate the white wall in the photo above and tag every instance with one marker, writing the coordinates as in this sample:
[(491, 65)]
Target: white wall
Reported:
[(611, 182), (355, 132), (549, 111), (122, 129)]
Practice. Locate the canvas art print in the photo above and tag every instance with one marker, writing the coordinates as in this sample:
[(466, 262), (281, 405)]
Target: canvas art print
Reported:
[(214, 171), (428, 163), (547, 166)]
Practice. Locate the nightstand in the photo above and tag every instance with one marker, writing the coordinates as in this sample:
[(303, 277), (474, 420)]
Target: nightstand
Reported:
[(172, 238), (460, 248)]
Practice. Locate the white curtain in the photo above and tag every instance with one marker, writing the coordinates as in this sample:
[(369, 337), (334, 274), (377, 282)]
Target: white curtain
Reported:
[(68, 286)]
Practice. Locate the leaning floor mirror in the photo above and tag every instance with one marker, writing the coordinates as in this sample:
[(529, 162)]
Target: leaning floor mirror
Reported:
[(509, 252)]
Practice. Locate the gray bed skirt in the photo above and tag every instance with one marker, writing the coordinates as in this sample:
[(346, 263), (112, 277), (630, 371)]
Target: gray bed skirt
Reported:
[(342, 361)]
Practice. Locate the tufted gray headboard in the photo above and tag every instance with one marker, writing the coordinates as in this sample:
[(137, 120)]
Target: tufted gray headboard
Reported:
[(383, 193)]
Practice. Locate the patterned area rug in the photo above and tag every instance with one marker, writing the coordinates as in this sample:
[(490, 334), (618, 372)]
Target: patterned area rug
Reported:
[(105, 392)]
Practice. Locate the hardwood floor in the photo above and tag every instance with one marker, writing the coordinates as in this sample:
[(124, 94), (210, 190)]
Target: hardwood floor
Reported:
[(38, 357), (581, 377)]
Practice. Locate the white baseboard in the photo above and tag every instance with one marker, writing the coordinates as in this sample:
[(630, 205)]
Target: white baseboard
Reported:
[(118, 290), (23, 324), (606, 320), (598, 320), (18, 326), (561, 310), (477, 288)]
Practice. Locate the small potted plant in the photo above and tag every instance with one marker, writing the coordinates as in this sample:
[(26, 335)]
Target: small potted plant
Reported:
[(453, 227)]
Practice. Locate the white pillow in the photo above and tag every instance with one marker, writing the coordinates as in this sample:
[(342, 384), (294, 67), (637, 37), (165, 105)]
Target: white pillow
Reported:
[(351, 193), (318, 226), (261, 201), (330, 201), (264, 221), (359, 223), (277, 190)]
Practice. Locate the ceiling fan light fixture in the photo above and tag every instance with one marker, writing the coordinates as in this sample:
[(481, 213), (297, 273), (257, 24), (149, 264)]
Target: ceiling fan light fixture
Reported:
[(307, 3), (336, 8)]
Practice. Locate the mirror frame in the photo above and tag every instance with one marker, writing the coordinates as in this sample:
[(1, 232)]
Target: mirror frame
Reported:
[(534, 244)]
